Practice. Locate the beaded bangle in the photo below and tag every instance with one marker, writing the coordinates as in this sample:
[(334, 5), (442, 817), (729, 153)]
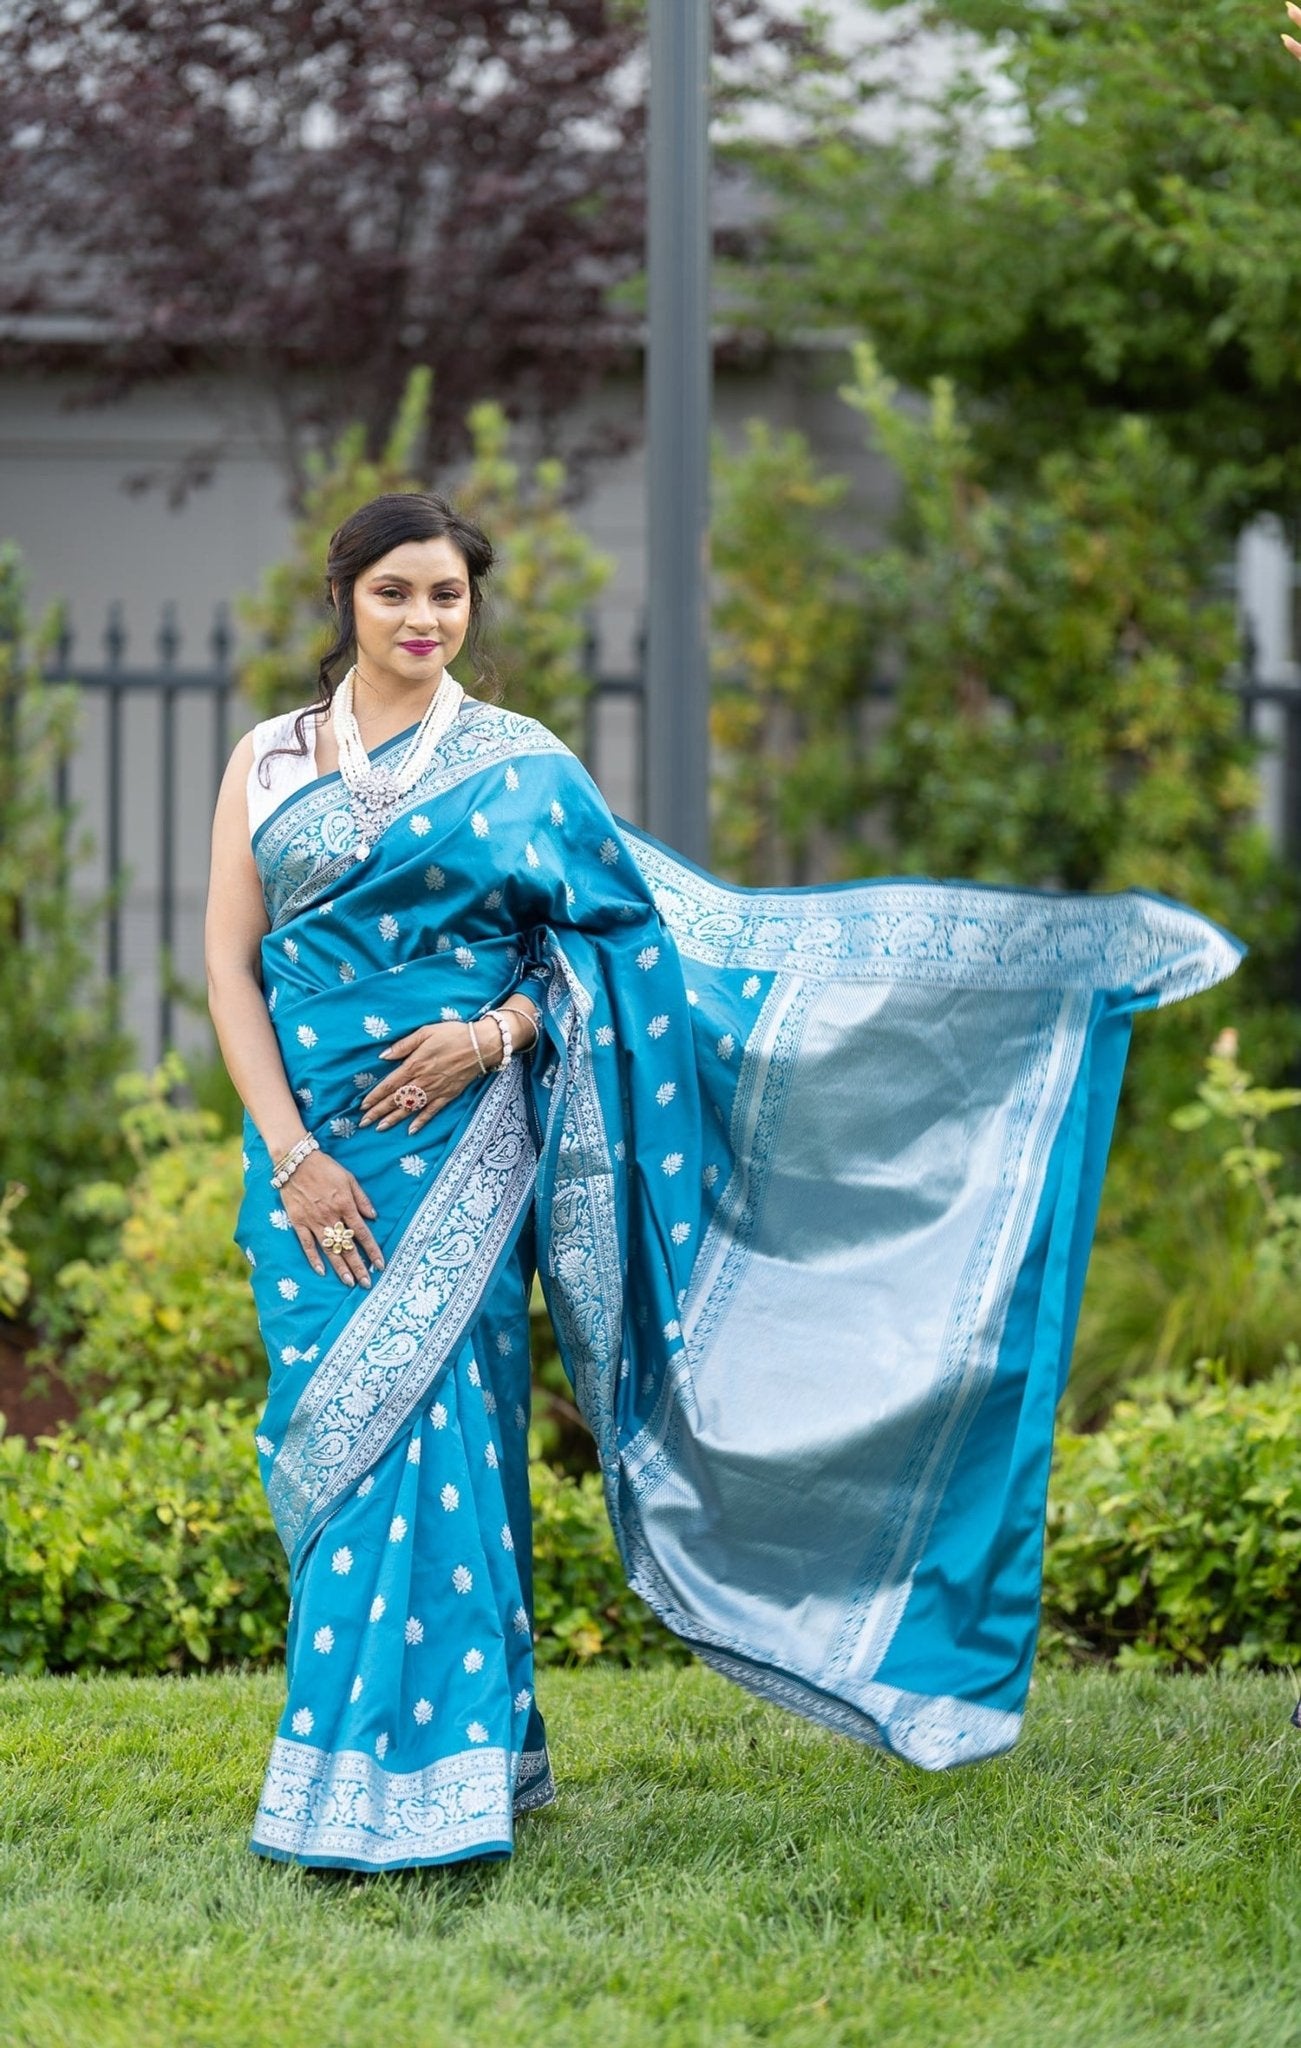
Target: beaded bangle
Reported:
[(499, 1019), (293, 1159)]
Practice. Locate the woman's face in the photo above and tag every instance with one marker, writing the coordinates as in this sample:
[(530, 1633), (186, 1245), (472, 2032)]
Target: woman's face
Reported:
[(412, 612)]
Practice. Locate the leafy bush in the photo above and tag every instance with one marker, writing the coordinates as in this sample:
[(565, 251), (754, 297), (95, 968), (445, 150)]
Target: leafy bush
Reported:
[(1174, 1535), (169, 1311), (141, 1541), (59, 1042)]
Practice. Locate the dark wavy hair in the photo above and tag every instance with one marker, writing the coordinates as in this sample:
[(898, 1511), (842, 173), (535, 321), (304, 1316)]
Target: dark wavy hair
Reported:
[(365, 536)]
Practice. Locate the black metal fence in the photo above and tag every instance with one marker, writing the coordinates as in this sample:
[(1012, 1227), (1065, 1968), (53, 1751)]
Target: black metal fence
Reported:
[(176, 806)]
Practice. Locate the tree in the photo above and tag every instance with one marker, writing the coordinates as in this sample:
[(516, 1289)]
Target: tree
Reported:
[(1097, 220), (332, 194)]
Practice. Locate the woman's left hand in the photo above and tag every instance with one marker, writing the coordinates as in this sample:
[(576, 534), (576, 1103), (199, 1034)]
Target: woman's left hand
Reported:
[(1290, 42), (440, 1059)]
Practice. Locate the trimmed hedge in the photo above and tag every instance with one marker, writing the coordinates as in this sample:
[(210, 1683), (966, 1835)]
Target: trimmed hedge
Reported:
[(141, 1541), (1174, 1534)]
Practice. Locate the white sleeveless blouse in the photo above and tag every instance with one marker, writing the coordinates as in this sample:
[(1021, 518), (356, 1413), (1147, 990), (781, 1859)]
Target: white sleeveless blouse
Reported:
[(284, 772)]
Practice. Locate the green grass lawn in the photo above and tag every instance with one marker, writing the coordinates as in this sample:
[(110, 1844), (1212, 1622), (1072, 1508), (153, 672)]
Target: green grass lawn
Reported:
[(714, 1873)]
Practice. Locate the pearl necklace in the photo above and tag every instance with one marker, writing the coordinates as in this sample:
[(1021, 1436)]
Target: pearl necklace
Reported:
[(375, 791)]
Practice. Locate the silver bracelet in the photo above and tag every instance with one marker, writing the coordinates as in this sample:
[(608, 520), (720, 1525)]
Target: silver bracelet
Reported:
[(475, 1043), (294, 1159)]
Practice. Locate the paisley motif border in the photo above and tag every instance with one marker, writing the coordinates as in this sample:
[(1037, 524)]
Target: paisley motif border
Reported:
[(387, 1357), (961, 934)]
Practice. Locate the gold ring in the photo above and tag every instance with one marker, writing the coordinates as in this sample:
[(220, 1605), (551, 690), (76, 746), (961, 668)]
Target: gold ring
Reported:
[(336, 1237)]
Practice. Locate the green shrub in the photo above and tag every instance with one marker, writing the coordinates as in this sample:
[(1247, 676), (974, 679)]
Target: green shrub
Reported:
[(141, 1541), (169, 1312), (1174, 1535)]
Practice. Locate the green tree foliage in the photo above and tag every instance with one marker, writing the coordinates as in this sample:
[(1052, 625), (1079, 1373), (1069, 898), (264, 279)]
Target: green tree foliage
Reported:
[(60, 1046), (1095, 220), (787, 712), (546, 578)]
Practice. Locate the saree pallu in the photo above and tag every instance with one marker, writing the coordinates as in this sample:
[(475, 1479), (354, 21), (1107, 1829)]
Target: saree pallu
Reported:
[(810, 1178)]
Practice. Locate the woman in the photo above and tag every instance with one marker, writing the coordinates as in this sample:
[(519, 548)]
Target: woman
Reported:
[(809, 1175)]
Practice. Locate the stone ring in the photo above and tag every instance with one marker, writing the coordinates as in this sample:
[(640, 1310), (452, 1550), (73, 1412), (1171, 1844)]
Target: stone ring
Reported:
[(409, 1096), (336, 1237)]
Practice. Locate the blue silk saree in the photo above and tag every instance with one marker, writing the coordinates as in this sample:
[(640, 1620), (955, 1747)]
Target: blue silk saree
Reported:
[(810, 1178)]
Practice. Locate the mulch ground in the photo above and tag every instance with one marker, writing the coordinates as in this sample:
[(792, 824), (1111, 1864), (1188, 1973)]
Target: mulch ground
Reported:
[(32, 1401)]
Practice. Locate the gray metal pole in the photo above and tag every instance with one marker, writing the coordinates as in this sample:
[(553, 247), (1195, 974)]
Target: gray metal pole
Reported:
[(677, 428)]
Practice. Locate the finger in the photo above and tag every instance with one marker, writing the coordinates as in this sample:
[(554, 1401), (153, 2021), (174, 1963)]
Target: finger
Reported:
[(356, 1265), (1295, 12), (1290, 43), (367, 1242), (337, 1266), (308, 1243), (362, 1199)]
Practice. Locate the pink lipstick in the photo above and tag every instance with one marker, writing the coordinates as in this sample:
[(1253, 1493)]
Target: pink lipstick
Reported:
[(417, 646)]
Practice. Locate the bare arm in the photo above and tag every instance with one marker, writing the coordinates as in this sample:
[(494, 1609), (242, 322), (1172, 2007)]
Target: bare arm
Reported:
[(321, 1191)]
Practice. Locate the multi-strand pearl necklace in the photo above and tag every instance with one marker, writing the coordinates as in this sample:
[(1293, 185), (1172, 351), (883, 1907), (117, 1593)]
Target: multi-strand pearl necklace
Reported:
[(375, 791)]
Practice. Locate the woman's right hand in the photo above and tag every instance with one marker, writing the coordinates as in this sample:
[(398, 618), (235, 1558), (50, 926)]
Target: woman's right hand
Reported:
[(321, 1192)]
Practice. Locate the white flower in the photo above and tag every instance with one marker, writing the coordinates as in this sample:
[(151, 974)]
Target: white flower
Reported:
[(412, 1163), (414, 1630), (343, 1126), (288, 1288), (361, 1082), (521, 1419), (355, 1694), (375, 1027), (507, 1540), (463, 957), (680, 1233), (303, 1722), (473, 1661), (397, 1529), (472, 1373), (665, 1093), (462, 1578), (420, 824), (671, 1163), (658, 1026), (365, 1486), (493, 900), (423, 1711), (438, 1415), (489, 1401), (523, 1700), (531, 854), (265, 1445), (381, 1747), (726, 1046), (750, 986), (648, 956), (692, 997), (604, 1034), (557, 813), (709, 1176), (347, 972), (341, 1561), (520, 1621), (673, 1329), (413, 1451), (450, 1498), (290, 1354), (304, 1096), (477, 1732), (490, 1458), (512, 779), (377, 1607), (609, 852), (479, 825), (290, 951), (323, 1641), (388, 926), (434, 877), (279, 1220), (306, 1036)]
